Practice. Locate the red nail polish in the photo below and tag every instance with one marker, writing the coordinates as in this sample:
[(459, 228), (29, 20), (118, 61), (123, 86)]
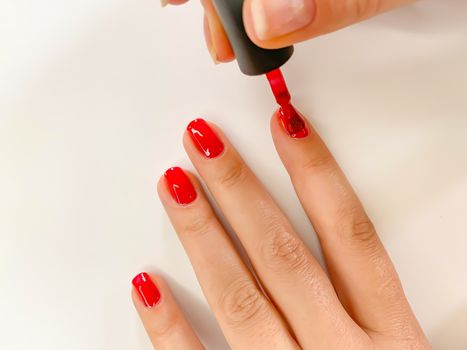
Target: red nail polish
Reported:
[(292, 122), (205, 139), (180, 186), (147, 289), (279, 87), (290, 119)]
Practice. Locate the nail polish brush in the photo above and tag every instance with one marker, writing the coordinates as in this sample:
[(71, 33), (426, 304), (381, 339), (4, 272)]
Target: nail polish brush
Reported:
[(254, 60)]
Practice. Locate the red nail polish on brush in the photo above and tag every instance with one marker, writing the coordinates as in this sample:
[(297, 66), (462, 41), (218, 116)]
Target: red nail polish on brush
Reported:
[(254, 60), (205, 139), (180, 186), (147, 290), (279, 87), (290, 119)]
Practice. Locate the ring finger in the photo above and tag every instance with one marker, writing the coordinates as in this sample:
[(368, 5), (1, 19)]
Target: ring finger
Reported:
[(245, 315)]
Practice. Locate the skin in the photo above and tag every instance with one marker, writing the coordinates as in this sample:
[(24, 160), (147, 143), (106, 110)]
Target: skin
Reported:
[(331, 15), (293, 303)]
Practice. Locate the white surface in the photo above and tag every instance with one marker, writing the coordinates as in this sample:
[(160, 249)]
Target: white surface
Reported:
[(94, 97)]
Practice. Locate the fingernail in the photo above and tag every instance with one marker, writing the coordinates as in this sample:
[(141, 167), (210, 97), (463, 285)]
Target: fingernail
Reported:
[(180, 186), (164, 3), (205, 139), (292, 122), (213, 53), (146, 289), (209, 41), (275, 18)]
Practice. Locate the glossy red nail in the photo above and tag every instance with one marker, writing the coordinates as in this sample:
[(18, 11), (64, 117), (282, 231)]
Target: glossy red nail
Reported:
[(147, 289), (292, 122), (205, 139), (180, 186)]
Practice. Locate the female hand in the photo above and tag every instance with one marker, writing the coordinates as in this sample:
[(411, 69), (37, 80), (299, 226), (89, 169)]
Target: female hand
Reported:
[(288, 301), (279, 23)]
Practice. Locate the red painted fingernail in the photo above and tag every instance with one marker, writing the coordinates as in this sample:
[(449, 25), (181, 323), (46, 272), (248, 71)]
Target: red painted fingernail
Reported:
[(292, 122), (180, 186), (147, 289), (205, 139)]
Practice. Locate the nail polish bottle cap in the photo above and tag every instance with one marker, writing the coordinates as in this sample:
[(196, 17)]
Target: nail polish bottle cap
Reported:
[(251, 59)]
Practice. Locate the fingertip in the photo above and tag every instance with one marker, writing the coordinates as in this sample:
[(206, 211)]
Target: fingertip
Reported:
[(216, 38), (291, 122), (161, 188), (174, 2), (276, 24), (203, 140), (208, 40), (187, 142), (274, 125), (146, 291), (178, 187), (162, 318), (252, 31)]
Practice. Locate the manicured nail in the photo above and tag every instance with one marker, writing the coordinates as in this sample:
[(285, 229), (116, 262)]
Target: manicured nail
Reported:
[(180, 186), (147, 289), (275, 18), (292, 122), (164, 3), (205, 139)]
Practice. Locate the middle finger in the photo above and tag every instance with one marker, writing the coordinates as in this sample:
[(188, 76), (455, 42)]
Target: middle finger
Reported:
[(246, 317), (286, 268)]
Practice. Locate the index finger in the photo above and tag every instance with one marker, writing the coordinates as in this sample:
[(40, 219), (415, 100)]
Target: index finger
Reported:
[(360, 268), (172, 2)]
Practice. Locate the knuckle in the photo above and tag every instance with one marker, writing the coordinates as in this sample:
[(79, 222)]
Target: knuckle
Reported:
[(357, 231), (285, 252), (242, 302), (234, 173), (322, 162), (363, 8), (390, 287), (163, 330), (199, 224), (363, 232)]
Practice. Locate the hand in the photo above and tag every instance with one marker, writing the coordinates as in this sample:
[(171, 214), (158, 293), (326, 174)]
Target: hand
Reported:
[(279, 23), (292, 303)]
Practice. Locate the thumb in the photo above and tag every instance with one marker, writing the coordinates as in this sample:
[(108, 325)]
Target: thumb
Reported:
[(279, 23)]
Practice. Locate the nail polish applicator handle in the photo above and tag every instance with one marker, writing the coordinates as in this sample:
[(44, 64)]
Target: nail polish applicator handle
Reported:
[(251, 59)]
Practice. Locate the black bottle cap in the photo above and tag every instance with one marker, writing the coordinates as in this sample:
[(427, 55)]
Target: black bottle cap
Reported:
[(251, 59)]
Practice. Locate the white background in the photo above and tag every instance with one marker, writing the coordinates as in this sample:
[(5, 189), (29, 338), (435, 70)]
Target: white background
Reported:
[(94, 97)]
